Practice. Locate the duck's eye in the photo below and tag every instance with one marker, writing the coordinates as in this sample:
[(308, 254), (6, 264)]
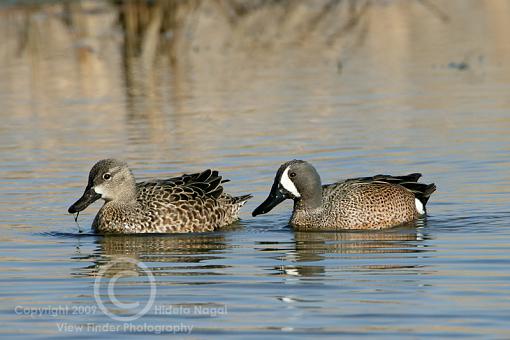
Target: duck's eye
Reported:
[(292, 175), (107, 176)]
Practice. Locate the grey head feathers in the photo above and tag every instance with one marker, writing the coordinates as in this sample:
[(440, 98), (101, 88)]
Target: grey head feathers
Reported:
[(297, 180), (109, 179)]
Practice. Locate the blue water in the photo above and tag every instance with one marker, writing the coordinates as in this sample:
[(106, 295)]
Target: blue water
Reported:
[(396, 107)]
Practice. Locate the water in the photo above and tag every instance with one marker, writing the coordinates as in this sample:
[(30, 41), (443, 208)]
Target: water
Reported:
[(407, 90)]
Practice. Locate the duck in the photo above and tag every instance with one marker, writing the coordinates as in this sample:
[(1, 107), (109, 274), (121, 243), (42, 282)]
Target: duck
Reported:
[(188, 203), (377, 202)]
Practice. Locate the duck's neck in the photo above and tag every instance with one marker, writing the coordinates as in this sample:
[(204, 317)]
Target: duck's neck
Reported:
[(310, 200), (125, 195), (126, 199), (123, 205), (307, 212)]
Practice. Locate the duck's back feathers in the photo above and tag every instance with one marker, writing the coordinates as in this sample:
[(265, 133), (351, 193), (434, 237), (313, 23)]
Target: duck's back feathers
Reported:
[(421, 191), (202, 185)]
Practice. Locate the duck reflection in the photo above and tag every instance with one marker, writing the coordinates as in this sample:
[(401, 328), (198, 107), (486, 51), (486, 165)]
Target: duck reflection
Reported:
[(313, 246), (363, 250), (164, 255)]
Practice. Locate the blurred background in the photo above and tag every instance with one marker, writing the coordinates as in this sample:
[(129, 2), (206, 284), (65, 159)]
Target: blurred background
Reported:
[(355, 87), (175, 86)]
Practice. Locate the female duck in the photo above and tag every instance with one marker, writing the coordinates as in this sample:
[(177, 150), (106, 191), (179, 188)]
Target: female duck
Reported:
[(189, 203)]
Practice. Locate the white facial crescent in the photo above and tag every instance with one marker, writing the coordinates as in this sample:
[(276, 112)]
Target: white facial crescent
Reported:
[(288, 184)]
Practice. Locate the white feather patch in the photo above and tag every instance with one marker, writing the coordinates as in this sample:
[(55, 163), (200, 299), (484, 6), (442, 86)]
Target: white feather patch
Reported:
[(98, 190), (288, 184), (419, 206)]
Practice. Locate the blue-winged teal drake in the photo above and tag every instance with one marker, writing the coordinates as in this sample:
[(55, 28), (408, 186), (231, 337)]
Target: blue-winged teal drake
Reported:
[(189, 203), (377, 202)]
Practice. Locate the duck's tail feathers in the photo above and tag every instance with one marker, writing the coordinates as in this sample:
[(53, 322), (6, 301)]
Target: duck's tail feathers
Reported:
[(420, 190), (241, 200)]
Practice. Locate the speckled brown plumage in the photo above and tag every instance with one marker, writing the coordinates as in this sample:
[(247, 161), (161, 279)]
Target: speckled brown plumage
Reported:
[(189, 203), (358, 205), (377, 202)]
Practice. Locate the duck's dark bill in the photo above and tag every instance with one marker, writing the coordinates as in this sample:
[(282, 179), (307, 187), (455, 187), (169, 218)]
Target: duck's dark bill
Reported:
[(88, 197), (276, 196)]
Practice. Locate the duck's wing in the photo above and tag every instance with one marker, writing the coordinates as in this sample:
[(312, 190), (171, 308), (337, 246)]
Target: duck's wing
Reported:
[(206, 184), (421, 191), (414, 177)]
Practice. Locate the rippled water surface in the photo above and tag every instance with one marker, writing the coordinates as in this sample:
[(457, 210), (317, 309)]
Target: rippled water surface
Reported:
[(411, 88)]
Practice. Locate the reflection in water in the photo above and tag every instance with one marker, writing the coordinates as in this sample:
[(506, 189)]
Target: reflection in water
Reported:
[(131, 272), (355, 245), (165, 255), (314, 246)]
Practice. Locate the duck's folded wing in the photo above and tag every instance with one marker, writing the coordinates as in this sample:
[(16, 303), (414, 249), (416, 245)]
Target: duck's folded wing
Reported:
[(206, 184), (386, 179)]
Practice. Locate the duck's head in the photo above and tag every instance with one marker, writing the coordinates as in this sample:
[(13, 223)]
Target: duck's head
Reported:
[(297, 180), (109, 179)]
